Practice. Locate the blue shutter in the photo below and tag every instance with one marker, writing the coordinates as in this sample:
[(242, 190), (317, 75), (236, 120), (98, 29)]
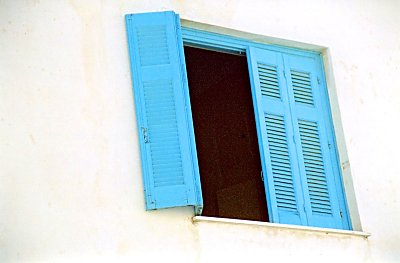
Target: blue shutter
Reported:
[(168, 154), (320, 178), (275, 135)]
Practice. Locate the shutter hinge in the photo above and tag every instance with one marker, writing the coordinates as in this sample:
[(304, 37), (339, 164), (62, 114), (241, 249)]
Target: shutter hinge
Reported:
[(145, 135), (318, 80), (341, 213), (262, 176), (329, 145), (284, 74)]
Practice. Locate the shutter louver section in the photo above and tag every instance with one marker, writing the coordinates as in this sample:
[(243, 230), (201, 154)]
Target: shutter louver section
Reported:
[(280, 162), (166, 139), (163, 134), (314, 167), (153, 45), (302, 87), (268, 81)]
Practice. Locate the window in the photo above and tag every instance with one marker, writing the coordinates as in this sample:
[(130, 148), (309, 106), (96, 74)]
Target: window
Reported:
[(299, 171)]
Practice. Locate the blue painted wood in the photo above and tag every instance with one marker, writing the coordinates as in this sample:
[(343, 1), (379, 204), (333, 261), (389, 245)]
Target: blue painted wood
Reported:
[(318, 172), (231, 44), (274, 129), (168, 154)]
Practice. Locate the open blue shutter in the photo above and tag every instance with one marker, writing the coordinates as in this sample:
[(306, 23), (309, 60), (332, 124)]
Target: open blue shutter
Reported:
[(275, 133), (168, 155), (319, 174)]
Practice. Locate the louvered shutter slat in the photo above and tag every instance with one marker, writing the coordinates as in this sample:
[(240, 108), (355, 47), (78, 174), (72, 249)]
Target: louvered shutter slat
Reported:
[(268, 80), (169, 162), (282, 175), (301, 85)]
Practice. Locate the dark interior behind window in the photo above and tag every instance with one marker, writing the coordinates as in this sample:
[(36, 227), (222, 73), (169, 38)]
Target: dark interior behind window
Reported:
[(225, 132)]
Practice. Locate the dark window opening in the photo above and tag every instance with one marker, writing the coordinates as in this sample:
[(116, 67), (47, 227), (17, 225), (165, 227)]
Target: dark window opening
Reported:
[(225, 132)]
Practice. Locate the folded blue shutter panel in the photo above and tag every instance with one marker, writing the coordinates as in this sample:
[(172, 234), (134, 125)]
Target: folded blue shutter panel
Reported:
[(274, 129), (321, 181), (168, 155)]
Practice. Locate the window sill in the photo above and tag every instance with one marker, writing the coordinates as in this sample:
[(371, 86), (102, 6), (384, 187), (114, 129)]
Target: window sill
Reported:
[(326, 231)]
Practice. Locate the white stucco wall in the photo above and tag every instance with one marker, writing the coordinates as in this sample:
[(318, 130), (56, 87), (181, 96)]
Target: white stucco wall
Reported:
[(70, 177)]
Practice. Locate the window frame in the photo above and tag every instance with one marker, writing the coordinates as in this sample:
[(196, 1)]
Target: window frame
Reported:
[(199, 38)]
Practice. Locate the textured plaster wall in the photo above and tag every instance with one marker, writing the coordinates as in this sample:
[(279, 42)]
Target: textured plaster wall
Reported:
[(70, 176)]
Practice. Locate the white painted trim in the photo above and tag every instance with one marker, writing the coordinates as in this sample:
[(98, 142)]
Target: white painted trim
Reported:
[(326, 231), (340, 142)]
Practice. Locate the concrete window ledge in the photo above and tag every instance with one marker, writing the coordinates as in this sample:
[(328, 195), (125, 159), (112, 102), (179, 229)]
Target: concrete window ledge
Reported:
[(327, 231)]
